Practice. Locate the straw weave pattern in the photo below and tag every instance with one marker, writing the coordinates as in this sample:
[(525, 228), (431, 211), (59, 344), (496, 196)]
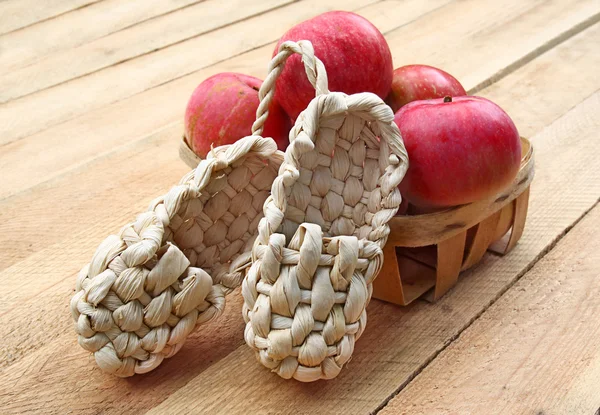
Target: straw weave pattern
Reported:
[(319, 246), (147, 288)]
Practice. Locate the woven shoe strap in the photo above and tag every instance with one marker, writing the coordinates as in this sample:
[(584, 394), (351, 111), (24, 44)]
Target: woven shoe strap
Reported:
[(315, 71)]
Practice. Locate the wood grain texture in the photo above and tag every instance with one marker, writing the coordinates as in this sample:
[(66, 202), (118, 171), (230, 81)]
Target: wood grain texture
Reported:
[(406, 43), (398, 341), (450, 254), (17, 14), (25, 46), (91, 391), (156, 68), (571, 57), (29, 114), (23, 236), (527, 26), (151, 35), (533, 351)]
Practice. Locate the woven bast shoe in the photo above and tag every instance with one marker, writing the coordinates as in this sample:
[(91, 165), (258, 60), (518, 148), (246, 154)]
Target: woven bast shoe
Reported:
[(319, 246), (147, 288)]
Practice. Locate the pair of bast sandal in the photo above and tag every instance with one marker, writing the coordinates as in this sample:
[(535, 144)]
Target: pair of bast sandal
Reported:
[(301, 232)]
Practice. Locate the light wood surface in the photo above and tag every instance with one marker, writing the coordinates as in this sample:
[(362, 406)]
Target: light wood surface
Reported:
[(68, 30), (17, 14), (128, 43), (534, 351), (85, 149), (414, 40)]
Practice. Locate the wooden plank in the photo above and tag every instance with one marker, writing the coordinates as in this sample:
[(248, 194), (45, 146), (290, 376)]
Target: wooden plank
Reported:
[(22, 234), (100, 88), (141, 39), (522, 100), (25, 46), (101, 126), (17, 14), (90, 391), (172, 96), (156, 68), (98, 126), (529, 27), (450, 255), (413, 335), (107, 86), (483, 236), (533, 351)]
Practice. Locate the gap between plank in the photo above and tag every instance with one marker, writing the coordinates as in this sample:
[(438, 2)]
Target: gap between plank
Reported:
[(45, 19), (150, 18), (150, 52), (455, 337), (566, 35), (66, 120), (187, 73), (38, 58)]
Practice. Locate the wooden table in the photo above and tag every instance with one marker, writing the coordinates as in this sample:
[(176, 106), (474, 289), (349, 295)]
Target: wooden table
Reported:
[(92, 95)]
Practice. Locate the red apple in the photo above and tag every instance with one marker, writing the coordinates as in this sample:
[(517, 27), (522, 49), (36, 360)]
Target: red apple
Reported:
[(222, 110), (416, 82), (460, 149), (356, 56)]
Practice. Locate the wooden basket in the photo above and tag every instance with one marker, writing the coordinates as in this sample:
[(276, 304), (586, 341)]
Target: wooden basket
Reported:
[(425, 254)]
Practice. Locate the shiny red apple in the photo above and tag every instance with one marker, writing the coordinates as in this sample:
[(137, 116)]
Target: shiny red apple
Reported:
[(460, 150), (355, 54), (222, 110), (417, 82)]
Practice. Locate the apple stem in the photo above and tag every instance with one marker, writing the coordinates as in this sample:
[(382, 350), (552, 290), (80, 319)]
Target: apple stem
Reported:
[(447, 98)]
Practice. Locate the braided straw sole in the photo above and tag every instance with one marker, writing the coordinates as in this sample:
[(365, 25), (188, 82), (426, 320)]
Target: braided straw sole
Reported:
[(305, 300), (147, 288)]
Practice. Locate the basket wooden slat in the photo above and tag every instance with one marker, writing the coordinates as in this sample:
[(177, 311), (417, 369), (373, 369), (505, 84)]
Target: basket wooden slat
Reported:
[(425, 254)]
